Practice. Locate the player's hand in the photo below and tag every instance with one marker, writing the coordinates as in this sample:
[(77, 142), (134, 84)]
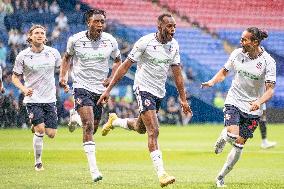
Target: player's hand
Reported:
[(103, 98), (255, 105), (185, 108), (28, 92), (63, 84), (2, 90), (106, 82), (207, 84)]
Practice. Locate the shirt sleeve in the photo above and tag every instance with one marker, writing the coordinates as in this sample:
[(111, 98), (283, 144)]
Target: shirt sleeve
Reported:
[(137, 50), (229, 65), (57, 59), (270, 73), (176, 59), (70, 46), (115, 52), (19, 65)]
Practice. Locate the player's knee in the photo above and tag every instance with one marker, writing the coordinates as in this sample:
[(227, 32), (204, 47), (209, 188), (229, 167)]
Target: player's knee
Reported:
[(141, 131), (153, 133), (51, 135)]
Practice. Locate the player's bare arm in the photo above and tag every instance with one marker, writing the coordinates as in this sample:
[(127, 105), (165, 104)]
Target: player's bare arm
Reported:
[(176, 69), (116, 64), (16, 79), (269, 86), (65, 65), (219, 77), (2, 89), (120, 72)]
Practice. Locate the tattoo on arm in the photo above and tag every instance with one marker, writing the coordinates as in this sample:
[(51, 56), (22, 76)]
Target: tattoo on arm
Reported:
[(270, 85)]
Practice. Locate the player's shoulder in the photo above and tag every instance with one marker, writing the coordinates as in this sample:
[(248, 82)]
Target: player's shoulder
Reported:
[(77, 36), (48, 48), (237, 51), (24, 52), (174, 42), (106, 35), (268, 57), (51, 50), (146, 39)]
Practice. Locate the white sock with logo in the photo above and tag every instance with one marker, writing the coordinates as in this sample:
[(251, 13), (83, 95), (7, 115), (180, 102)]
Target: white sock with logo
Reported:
[(158, 162), (38, 146), (90, 150), (232, 159)]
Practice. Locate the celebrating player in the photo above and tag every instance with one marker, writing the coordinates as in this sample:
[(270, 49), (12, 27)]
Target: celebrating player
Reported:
[(154, 54), (90, 52), (37, 65), (253, 85)]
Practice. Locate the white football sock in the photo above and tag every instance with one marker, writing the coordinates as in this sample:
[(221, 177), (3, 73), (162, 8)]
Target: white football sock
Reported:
[(158, 162), (119, 122), (90, 150), (232, 159), (38, 146)]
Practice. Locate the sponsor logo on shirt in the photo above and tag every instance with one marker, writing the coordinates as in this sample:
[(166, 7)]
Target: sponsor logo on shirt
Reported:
[(91, 56), (248, 75)]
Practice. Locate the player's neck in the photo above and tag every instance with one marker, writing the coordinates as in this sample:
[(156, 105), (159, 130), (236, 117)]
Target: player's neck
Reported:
[(37, 48), (255, 53), (160, 39), (93, 37)]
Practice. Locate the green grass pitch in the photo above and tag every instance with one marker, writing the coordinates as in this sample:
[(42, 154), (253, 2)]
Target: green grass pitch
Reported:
[(125, 163)]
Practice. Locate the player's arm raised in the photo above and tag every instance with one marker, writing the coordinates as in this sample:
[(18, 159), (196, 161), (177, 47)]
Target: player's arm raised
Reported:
[(16, 79), (219, 77), (177, 75), (120, 72), (65, 65)]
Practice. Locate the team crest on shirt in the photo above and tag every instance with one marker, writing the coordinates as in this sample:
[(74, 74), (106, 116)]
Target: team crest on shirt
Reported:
[(227, 116), (259, 65), (46, 54), (147, 102), (78, 101)]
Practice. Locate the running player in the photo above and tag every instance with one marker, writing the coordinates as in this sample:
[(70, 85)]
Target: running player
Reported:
[(37, 65), (253, 85), (90, 52), (154, 54)]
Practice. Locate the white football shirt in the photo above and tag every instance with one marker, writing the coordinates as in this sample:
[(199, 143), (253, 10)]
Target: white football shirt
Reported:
[(38, 71), (249, 81), (91, 60), (153, 60)]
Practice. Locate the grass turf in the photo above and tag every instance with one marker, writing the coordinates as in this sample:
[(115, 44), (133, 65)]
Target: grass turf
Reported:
[(124, 160)]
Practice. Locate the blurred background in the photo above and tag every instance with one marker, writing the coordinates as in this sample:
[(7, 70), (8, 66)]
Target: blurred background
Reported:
[(207, 32)]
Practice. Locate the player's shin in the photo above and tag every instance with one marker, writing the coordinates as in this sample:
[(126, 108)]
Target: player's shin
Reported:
[(156, 157), (38, 146), (90, 148), (232, 159)]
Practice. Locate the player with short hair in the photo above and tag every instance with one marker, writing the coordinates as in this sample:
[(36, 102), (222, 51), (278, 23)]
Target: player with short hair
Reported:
[(253, 85), (37, 64), (90, 52), (154, 54)]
